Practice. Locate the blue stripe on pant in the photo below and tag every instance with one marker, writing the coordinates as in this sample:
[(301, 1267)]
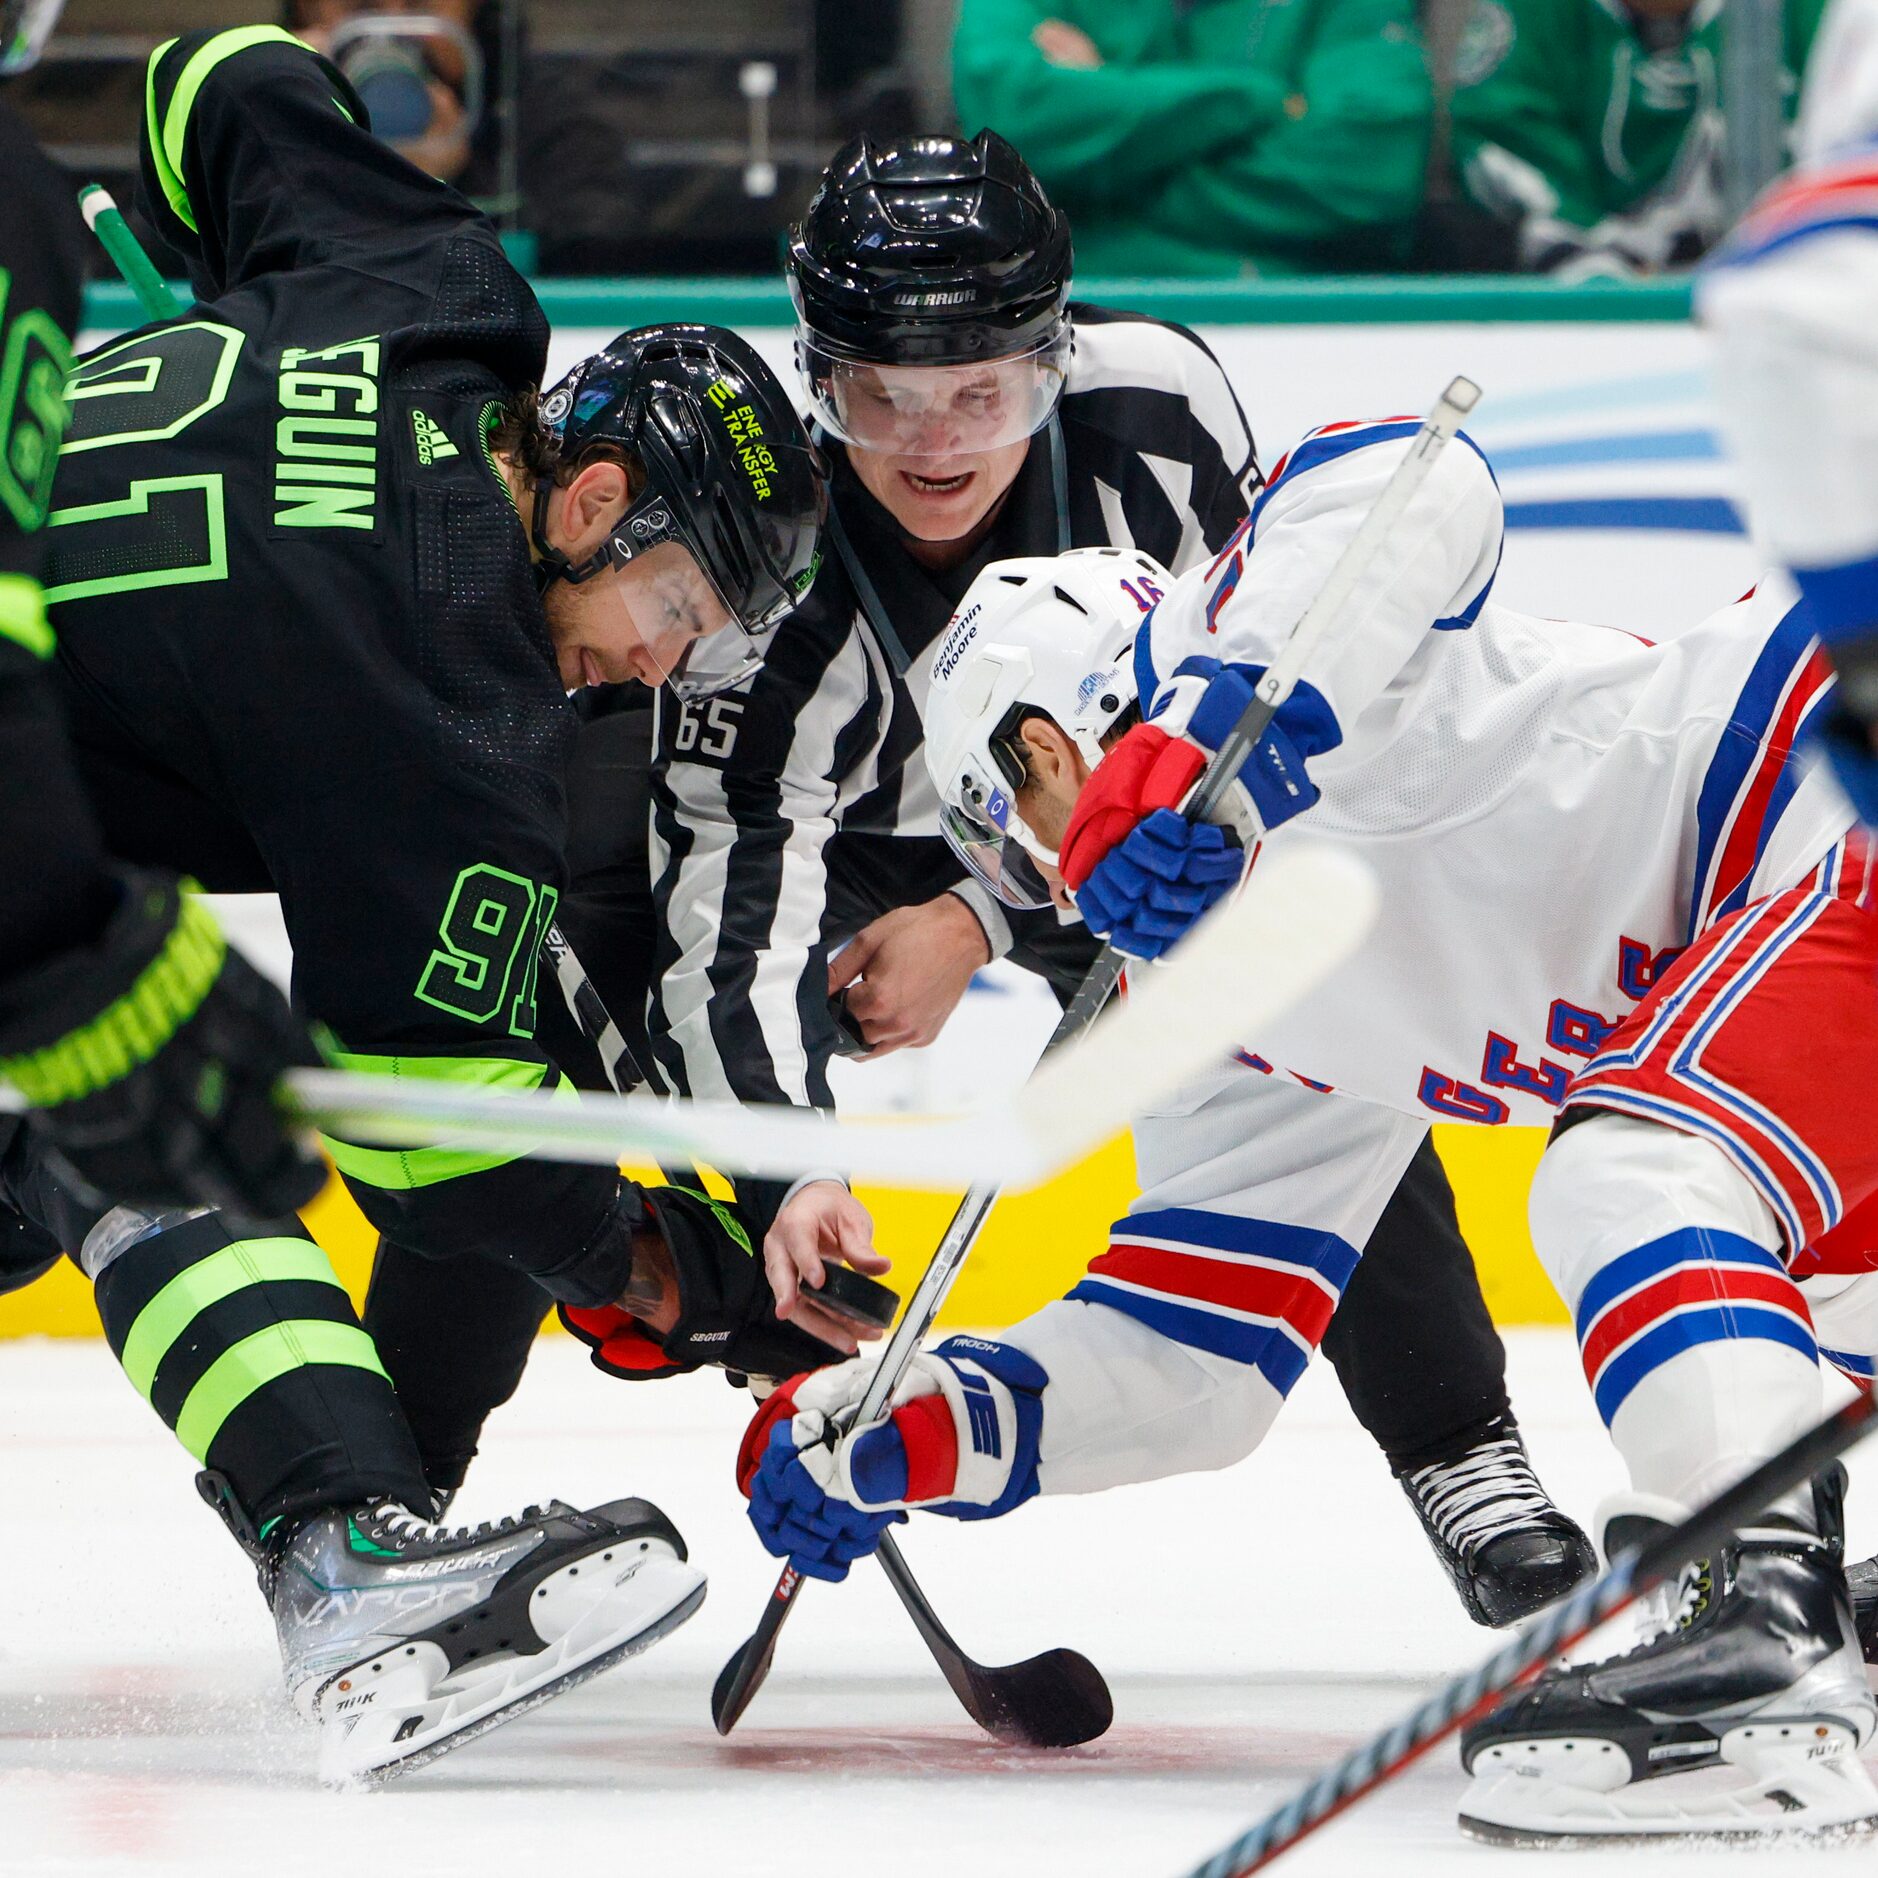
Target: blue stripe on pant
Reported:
[(1720, 1323)]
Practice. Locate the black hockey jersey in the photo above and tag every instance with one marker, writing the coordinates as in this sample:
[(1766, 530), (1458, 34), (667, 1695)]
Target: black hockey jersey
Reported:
[(298, 629), (54, 889)]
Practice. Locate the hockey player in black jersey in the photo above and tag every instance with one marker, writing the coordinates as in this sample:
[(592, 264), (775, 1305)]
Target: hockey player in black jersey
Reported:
[(321, 571), (972, 414), (149, 1048)]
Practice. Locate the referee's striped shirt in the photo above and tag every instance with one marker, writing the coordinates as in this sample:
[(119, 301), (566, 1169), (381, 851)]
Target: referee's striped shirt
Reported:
[(764, 799)]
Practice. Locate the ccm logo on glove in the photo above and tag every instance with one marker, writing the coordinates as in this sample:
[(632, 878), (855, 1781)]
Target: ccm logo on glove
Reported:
[(963, 1441)]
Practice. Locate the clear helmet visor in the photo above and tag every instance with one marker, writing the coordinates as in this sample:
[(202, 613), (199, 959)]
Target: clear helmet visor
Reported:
[(935, 410), (665, 623), (985, 832)]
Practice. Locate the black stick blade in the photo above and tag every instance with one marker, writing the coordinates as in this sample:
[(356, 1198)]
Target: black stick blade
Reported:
[(1056, 1700), (741, 1677)]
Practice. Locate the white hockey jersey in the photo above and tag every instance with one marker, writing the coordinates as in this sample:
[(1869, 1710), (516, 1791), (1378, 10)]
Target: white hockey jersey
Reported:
[(1792, 300), (1552, 809)]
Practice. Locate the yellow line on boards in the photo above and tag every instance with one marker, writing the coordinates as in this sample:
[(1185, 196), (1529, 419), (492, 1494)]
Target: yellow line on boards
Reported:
[(1034, 1249)]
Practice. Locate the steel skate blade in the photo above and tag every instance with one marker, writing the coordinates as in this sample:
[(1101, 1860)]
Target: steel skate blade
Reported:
[(1528, 1839), (1798, 1781), (386, 1742)]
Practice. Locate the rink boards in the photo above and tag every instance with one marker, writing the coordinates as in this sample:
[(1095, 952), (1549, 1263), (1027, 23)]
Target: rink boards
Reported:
[(1598, 421)]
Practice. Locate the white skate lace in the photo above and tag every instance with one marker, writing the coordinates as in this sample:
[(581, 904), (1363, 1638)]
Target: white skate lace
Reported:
[(404, 1527), (1490, 1490), (1672, 1605)]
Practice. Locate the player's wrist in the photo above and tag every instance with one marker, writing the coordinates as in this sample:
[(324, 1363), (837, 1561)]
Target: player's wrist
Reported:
[(964, 917)]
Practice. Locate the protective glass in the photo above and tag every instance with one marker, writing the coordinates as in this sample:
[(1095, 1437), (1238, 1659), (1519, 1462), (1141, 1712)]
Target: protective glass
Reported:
[(680, 631), (25, 26), (988, 835), (935, 410)]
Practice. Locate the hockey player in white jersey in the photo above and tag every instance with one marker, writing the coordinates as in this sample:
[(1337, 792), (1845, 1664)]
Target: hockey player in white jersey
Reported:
[(1555, 811), (1792, 299)]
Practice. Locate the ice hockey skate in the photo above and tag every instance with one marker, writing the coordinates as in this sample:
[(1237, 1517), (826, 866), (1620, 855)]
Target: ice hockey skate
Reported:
[(405, 1640), (1862, 1581), (1741, 1718), (1508, 1549)]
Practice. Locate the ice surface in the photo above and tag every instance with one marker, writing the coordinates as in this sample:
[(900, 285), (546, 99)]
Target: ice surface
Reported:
[(1253, 1625)]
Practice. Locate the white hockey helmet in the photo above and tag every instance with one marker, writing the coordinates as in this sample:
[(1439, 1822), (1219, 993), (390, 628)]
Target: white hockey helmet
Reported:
[(1049, 636)]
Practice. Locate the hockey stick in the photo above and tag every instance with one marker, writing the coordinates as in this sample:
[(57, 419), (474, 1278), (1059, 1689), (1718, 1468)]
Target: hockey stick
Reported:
[(1018, 1702), (106, 220), (1304, 912), (1467, 1698), (743, 1675)]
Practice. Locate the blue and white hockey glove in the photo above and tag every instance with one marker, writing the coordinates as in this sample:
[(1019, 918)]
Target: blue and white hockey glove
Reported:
[(1141, 873), (961, 1440)]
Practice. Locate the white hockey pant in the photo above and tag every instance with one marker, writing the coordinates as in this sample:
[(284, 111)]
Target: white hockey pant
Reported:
[(1698, 1347)]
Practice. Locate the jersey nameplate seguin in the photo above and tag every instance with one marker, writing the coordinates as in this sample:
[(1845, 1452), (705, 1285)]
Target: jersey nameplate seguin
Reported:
[(326, 442)]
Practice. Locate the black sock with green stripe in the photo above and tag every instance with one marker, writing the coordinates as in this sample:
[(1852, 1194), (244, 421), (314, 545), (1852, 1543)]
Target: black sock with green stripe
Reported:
[(246, 1344)]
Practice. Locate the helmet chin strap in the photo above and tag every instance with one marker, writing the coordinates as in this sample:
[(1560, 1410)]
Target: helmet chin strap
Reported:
[(1032, 844), (550, 563)]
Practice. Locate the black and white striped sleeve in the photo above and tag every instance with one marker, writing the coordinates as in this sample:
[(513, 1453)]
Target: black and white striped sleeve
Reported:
[(1157, 389), (746, 792), (1226, 474)]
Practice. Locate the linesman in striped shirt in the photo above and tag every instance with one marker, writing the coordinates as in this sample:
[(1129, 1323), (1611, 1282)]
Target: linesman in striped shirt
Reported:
[(802, 901)]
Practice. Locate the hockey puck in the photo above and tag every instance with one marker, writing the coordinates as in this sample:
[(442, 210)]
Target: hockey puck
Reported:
[(853, 1296)]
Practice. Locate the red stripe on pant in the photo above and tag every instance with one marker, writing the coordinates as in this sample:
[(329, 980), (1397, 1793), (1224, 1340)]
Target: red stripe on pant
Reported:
[(1306, 1306), (1700, 1284)]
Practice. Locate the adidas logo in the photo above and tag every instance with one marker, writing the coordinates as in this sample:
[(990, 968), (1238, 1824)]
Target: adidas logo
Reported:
[(433, 441)]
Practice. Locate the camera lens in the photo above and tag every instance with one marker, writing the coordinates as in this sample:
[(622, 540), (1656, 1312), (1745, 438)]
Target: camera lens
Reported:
[(394, 83)]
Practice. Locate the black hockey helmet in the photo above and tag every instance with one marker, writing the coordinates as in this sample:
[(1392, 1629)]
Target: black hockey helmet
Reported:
[(730, 472), (25, 26), (937, 251)]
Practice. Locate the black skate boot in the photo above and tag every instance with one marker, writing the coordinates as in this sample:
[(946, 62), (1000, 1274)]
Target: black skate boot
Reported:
[(1741, 1718), (404, 1639), (1509, 1550), (1862, 1581)]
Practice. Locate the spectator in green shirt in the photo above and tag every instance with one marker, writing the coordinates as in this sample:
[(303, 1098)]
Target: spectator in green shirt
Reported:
[(1209, 137), (1592, 130)]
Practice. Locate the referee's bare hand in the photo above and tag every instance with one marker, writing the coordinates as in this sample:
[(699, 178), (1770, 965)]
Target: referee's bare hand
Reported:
[(823, 1221), (908, 970)]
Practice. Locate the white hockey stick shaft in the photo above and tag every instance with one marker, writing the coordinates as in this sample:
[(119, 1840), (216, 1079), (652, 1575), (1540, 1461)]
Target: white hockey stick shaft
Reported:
[(1451, 410), (1055, 1076), (1304, 916)]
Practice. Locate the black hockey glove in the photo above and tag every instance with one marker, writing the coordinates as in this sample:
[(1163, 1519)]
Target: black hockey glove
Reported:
[(726, 1311), (149, 1060)]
